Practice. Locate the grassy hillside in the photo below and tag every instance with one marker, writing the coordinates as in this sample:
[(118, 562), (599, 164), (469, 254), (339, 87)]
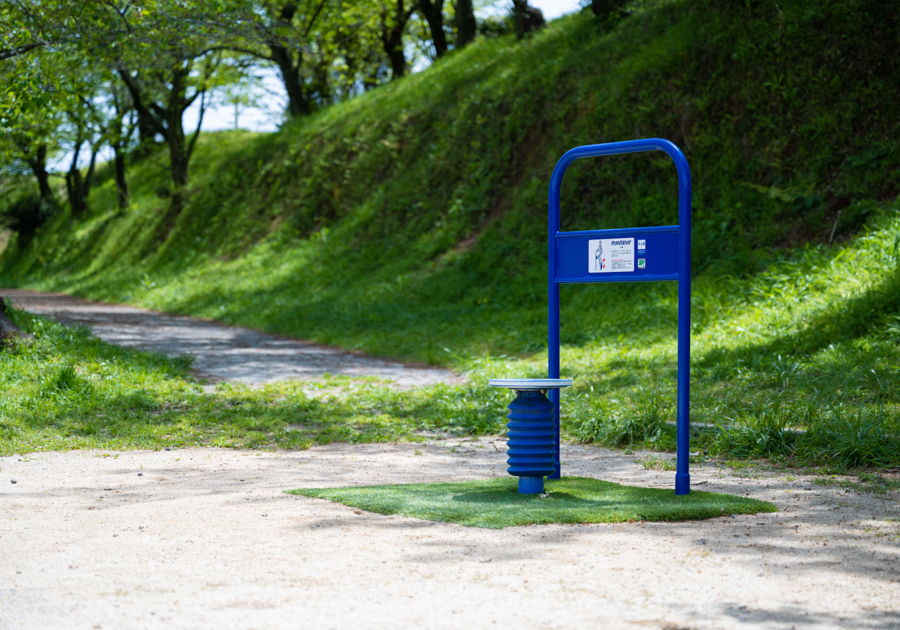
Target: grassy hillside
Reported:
[(411, 222)]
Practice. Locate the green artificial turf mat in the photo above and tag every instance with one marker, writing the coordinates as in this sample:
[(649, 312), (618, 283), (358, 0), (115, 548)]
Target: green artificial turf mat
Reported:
[(495, 503)]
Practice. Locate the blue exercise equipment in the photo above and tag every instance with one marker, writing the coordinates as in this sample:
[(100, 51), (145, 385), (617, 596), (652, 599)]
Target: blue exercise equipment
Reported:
[(617, 255), (531, 430)]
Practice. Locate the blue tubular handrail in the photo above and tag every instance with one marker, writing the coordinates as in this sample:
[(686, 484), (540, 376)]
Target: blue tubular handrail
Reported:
[(682, 474)]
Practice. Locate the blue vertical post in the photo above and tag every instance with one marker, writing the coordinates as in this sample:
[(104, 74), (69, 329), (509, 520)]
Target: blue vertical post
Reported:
[(683, 423), (682, 440), (553, 321)]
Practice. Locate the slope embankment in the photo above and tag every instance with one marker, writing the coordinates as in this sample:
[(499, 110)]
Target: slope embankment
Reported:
[(410, 222), (419, 207)]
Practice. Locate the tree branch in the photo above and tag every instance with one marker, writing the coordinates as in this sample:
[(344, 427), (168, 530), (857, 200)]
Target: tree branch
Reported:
[(138, 103), (246, 51), (313, 19), (15, 51), (193, 141), (159, 110)]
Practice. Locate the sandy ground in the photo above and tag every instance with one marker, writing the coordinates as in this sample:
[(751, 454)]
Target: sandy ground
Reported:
[(206, 538), (221, 352), (202, 538)]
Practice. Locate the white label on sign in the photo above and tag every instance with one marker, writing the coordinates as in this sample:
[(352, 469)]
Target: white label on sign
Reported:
[(642, 244), (610, 255)]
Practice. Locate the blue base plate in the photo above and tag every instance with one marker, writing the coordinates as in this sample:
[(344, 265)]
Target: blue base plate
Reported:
[(531, 485)]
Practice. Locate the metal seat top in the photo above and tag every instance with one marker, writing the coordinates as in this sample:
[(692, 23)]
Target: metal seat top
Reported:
[(531, 384)]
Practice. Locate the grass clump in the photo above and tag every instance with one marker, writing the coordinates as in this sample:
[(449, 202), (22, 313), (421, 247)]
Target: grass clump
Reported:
[(866, 482), (496, 503), (654, 462)]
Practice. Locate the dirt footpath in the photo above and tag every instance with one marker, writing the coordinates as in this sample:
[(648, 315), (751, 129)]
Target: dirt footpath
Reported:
[(207, 539), (221, 352)]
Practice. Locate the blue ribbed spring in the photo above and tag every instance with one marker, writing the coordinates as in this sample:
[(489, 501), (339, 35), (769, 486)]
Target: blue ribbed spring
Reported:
[(531, 438)]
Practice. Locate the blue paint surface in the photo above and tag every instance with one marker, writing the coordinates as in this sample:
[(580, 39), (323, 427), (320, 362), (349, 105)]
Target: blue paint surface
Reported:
[(531, 434), (531, 485), (660, 255), (568, 258)]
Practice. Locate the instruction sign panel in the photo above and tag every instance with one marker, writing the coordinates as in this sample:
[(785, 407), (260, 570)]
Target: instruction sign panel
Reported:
[(611, 255)]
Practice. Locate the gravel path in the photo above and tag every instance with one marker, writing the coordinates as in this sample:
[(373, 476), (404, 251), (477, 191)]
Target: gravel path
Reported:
[(222, 352), (205, 538)]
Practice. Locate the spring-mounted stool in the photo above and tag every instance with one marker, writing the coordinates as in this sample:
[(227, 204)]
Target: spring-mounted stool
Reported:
[(531, 430)]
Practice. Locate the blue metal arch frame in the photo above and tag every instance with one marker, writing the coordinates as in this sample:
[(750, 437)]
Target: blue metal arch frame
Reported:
[(682, 474)]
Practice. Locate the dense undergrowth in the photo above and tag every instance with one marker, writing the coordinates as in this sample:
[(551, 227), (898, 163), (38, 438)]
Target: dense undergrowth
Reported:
[(411, 222)]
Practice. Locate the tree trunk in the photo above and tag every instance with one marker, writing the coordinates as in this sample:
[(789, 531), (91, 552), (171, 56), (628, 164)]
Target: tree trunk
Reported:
[(146, 135), (121, 181), (319, 86), (397, 60), (527, 18), (118, 142), (38, 164), (75, 184), (89, 176), (178, 154), (607, 8), (434, 15), (147, 123), (298, 102), (78, 186), (298, 97), (392, 39), (465, 23)]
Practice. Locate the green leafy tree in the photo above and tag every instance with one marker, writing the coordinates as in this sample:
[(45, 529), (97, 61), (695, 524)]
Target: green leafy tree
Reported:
[(287, 34), (160, 96), (163, 52), (119, 131), (32, 143), (24, 151), (241, 92), (172, 61), (85, 121), (326, 50)]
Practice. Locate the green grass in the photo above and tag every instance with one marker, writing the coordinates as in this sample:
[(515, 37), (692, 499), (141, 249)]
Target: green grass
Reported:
[(411, 222), (654, 462), (69, 390), (495, 503)]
